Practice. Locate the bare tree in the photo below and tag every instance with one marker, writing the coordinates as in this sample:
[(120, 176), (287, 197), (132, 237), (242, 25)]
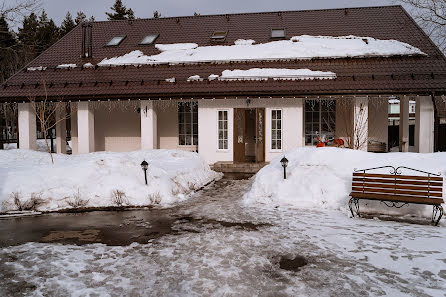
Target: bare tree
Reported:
[(431, 15), (46, 112), (14, 10)]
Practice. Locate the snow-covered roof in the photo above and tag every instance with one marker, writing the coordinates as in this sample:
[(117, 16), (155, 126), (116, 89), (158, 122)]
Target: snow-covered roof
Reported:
[(276, 74), (298, 47)]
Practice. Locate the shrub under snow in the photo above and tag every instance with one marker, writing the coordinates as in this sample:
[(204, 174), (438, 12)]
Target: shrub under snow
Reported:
[(322, 177), (91, 180)]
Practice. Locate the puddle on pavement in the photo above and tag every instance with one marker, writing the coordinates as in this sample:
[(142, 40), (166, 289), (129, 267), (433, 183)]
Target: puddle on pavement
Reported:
[(292, 264), (247, 226), (89, 236)]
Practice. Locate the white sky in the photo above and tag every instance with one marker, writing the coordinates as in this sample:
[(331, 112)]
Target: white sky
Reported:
[(57, 9)]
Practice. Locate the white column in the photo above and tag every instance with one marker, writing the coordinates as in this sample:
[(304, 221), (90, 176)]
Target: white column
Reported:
[(85, 128), (149, 128), (424, 125), (61, 131), (27, 127), (404, 124), (360, 123)]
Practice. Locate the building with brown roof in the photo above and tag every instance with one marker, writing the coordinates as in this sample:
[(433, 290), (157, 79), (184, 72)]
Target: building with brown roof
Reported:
[(237, 87)]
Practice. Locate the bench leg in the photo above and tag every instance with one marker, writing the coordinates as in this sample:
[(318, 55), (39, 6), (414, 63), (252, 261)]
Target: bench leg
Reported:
[(354, 202), (437, 211)]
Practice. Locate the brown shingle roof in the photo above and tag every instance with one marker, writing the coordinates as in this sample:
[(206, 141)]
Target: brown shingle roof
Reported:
[(359, 75)]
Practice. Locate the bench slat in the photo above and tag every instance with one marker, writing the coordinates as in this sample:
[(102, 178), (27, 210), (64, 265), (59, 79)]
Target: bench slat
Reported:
[(402, 182), (397, 198), (393, 191), (414, 177), (395, 186)]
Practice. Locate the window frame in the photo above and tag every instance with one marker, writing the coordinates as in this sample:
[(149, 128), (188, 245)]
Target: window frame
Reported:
[(191, 112), (217, 38), (319, 111), (281, 130), (156, 35), (123, 37), (218, 130), (277, 29)]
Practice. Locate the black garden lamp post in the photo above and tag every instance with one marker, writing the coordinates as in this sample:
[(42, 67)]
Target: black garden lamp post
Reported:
[(144, 166), (284, 163)]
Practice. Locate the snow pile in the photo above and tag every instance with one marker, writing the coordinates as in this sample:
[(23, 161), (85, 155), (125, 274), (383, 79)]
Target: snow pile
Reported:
[(170, 80), (171, 176), (213, 77), (38, 68), (276, 74), (194, 78), (66, 66), (244, 42), (88, 65), (322, 177), (298, 47)]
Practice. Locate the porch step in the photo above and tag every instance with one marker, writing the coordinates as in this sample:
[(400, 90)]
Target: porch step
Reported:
[(230, 167)]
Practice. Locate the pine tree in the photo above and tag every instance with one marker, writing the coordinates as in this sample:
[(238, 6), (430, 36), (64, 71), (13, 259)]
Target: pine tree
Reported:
[(80, 17), (120, 12), (67, 24), (47, 33), (28, 37), (9, 59)]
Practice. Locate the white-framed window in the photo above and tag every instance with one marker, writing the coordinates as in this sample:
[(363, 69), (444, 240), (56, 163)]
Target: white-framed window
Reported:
[(222, 129), (276, 129), (187, 123), (320, 121)]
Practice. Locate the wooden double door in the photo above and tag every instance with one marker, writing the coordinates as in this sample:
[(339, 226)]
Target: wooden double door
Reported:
[(249, 135)]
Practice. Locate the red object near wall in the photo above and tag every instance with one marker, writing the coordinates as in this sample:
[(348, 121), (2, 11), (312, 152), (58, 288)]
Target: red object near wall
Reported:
[(320, 144)]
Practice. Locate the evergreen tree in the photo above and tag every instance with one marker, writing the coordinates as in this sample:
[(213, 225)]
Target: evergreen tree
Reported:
[(67, 24), (9, 59), (80, 17), (47, 33), (120, 12), (28, 37)]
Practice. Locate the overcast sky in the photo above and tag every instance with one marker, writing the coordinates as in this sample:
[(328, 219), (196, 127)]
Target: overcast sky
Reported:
[(57, 9)]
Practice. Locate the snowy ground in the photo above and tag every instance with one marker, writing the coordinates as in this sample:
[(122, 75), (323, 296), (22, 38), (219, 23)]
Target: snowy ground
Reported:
[(221, 248), (92, 178)]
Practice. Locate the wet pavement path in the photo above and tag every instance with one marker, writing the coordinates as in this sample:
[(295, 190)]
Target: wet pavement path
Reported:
[(118, 227), (215, 245)]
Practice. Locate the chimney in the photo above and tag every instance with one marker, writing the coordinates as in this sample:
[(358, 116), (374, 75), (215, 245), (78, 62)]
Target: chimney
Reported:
[(87, 40)]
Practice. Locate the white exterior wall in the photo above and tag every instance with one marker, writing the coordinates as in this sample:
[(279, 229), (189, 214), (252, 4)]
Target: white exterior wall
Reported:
[(378, 120), (424, 125), (117, 131), (27, 127), (85, 128), (149, 138), (292, 122), (61, 132), (73, 119), (404, 124)]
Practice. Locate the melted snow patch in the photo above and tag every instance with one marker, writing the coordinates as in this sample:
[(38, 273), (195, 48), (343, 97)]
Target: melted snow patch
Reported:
[(276, 74), (88, 65), (298, 47)]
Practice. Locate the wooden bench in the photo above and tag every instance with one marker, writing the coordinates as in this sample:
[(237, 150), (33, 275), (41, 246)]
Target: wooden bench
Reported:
[(397, 190)]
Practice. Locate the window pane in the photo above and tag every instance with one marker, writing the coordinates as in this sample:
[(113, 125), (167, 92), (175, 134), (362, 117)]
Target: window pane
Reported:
[(195, 140), (279, 144), (182, 140)]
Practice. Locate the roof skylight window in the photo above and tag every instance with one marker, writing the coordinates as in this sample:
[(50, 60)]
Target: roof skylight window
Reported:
[(115, 41), (149, 39), (219, 36), (278, 33)]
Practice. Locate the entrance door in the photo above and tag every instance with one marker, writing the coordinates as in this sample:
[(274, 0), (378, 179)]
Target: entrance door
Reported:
[(249, 135), (260, 135), (239, 135)]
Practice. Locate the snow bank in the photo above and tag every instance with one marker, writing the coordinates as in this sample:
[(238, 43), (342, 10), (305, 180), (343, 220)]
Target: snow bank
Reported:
[(38, 68), (276, 74), (171, 176), (321, 178), (298, 47)]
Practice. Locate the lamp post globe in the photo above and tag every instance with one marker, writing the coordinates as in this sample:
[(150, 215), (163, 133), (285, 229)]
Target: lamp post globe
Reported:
[(144, 166), (284, 163)]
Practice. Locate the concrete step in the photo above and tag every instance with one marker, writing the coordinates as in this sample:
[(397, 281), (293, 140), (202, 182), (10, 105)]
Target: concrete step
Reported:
[(230, 167)]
